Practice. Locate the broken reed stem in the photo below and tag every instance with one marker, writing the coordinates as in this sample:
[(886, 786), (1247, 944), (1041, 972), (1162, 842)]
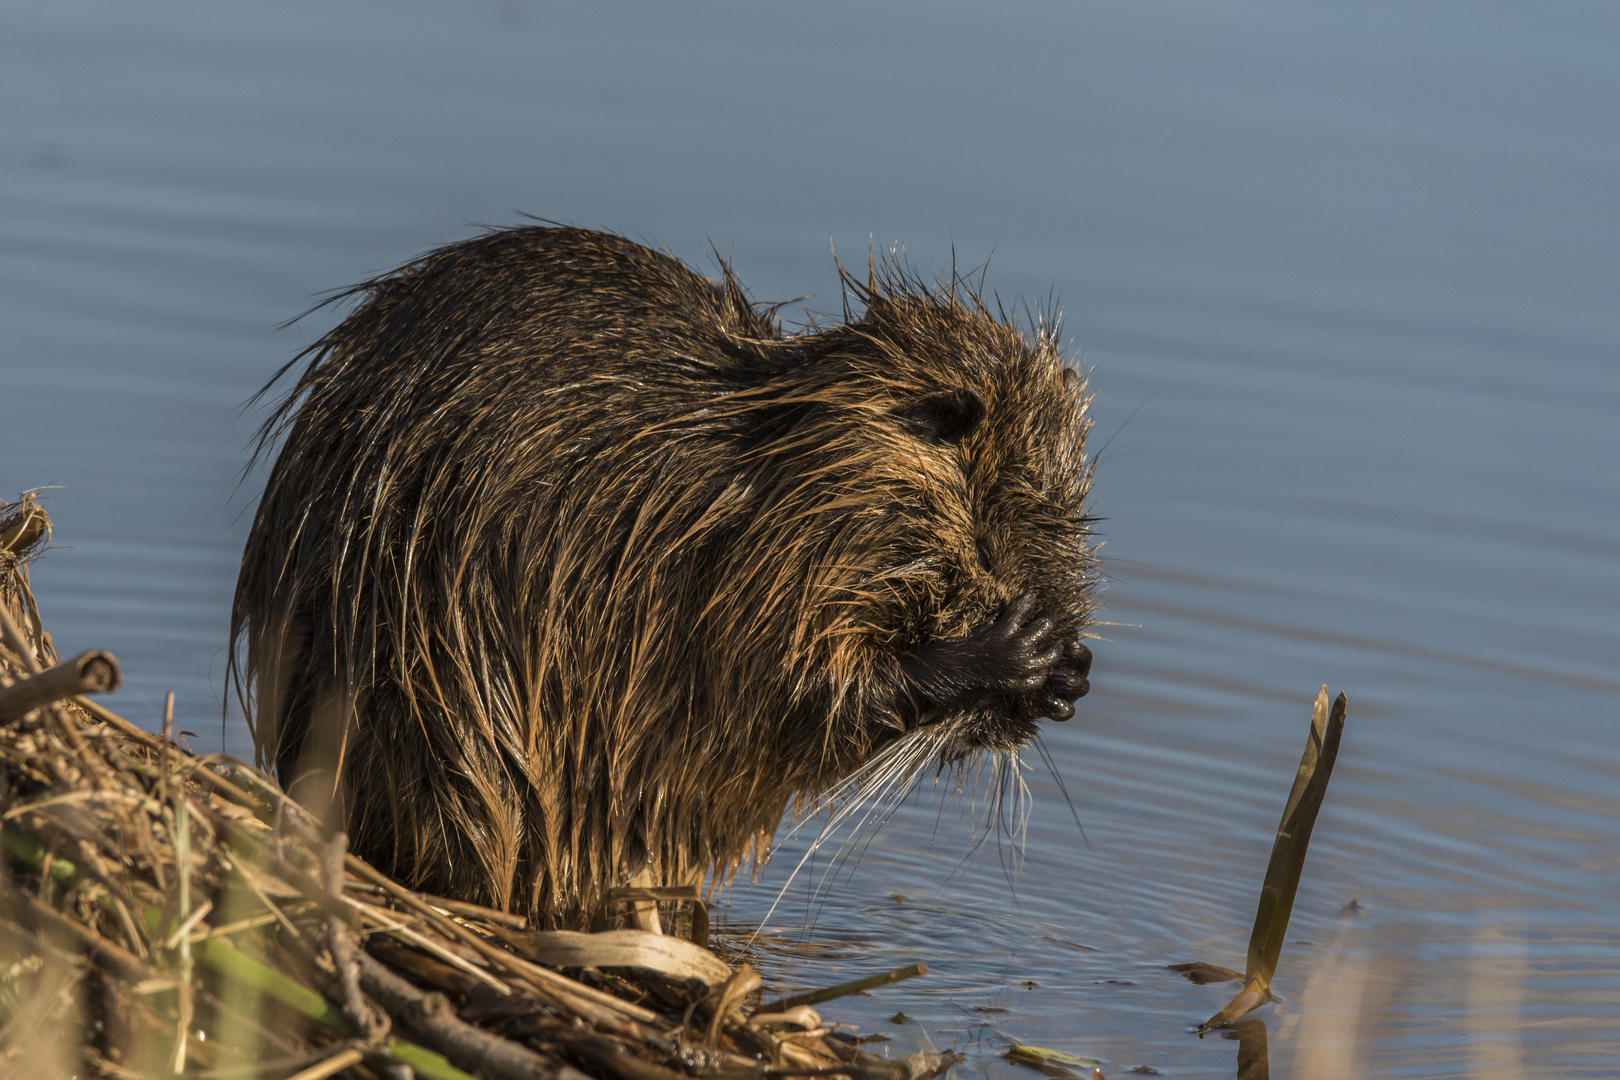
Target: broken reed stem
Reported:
[(340, 944), (163, 756), (93, 672), (1294, 837), (744, 981), (871, 982), (1287, 860)]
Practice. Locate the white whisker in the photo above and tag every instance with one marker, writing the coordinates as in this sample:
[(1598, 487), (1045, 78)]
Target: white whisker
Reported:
[(875, 778), (864, 801)]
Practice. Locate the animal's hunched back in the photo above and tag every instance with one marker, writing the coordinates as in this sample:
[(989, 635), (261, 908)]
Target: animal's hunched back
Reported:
[(573, 564)]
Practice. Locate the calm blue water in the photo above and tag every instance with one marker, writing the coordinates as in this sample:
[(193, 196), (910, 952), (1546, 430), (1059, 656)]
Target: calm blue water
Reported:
[(1346, 280)]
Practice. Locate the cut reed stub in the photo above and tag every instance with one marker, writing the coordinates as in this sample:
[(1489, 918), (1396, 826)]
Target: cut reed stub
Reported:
[(93, 672), (1287, 863)]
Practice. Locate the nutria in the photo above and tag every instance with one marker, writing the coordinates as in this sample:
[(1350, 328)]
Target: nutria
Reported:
[(575, 564)]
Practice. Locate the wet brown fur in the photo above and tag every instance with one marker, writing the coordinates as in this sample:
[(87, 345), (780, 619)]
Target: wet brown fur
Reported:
[(575, 563)]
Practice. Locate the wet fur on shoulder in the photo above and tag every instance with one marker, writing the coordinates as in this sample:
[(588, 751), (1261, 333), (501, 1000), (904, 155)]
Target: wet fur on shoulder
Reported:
[(573, 563)]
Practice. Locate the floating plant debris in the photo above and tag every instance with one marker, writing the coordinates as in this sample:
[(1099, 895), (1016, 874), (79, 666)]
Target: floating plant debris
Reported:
[(1051, 1062), (1202, 974)]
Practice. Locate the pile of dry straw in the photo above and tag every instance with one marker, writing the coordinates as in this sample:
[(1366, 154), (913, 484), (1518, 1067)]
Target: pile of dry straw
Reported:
[(163, 913)]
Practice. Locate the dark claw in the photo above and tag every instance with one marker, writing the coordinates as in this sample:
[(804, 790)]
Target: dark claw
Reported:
[(1069, 681), (1079, 656), (1068, 685), (1018, 613), (1057, 709)]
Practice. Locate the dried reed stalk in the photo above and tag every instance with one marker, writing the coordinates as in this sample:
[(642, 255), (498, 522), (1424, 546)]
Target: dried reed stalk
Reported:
[(1282, 872)]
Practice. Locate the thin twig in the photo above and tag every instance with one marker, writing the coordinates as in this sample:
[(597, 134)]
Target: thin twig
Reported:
[(476, 911), (431, 1020), (405, 933), (332, 1065), (531, 973), (856, 986), (185, 928), (249, 923), (341, 945)]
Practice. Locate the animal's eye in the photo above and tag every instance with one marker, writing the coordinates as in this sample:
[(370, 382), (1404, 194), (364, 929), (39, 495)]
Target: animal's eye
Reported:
[(947, 418)]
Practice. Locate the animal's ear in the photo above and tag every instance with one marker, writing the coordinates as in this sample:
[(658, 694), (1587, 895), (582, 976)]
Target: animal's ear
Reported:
[(945, 418)]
